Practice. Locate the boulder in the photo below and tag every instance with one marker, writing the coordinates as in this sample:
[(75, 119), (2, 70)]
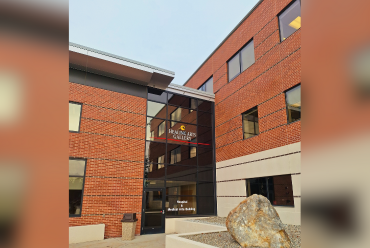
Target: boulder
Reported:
[(255, 223)]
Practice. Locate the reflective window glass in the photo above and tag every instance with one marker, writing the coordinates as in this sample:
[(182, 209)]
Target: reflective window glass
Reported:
[(206, 205), (181, 114), (181, 173), (247, 55), (207, 86), (234, 67), (74, 116), (156, 109), (250, 123), (180, 155), (153, 151), (290, 20), (157, 95), (178, 100), (155, 129), (181, 188), (293, 102), (76, 184), (181, 205)]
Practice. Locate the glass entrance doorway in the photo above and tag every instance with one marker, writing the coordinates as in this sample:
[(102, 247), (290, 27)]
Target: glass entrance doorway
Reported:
[(153, 211)]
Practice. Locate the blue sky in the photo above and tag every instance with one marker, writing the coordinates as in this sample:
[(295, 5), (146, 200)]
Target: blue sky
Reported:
[(171, 34)]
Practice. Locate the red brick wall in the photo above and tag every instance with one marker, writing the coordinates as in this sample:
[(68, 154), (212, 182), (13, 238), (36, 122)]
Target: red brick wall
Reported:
[(276, 69), (111, 138)]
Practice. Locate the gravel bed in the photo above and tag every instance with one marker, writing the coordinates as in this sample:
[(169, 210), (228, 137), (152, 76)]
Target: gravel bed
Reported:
[(224, 239)]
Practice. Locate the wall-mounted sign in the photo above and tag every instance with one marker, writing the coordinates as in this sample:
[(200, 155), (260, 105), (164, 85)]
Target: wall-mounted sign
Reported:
[(181, 207), (181, 134)]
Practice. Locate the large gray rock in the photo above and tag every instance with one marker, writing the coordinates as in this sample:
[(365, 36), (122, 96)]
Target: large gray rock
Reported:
[(255, 223)]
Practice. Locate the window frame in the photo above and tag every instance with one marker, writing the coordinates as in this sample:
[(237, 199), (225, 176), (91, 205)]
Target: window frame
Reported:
[(83, 185), (282, 11), (238, 53), (286, 103), (79, 122), (249, 110)]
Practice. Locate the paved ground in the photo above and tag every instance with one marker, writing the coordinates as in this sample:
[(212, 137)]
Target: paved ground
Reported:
[(142, 241)]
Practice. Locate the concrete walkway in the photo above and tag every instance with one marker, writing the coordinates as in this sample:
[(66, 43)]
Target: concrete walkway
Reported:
[(142, 241)]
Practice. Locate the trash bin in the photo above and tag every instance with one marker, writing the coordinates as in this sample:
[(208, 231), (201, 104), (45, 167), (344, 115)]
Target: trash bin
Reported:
[(128, 226)]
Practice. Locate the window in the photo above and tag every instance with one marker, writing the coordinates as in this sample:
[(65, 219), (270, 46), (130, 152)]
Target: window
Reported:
[(175, 116), (241, 60), (207, 86), (76, 185), (293, 103), (278, 189), (160, 159), (193, 149), (161, 128), (74, 116), (290, 20), (176, 155), (250, 123)]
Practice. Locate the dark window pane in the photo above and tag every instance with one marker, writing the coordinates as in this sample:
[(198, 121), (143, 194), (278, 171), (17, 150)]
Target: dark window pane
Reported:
[(290, 20), (204, 105), (181, 101), (282, 190), (154, 127), (234, 67), (293, 101), (153, 183), (205, 174), (250, 123), (180, 188), (205, 119), (205, 136), (157, 95), (156, 109), (75, 202), (205, 155), (181, 205), (181, 173), (153, 151), (206, 205), (154, 171), (182, 133), (181, 114), (278, 189), (247, 54), (180, 155), (205, 189)]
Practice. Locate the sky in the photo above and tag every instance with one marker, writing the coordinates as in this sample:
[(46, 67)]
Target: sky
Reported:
[(171, 34)]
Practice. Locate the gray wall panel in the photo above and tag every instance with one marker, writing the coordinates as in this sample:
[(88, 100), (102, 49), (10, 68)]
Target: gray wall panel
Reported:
[(98, 81)]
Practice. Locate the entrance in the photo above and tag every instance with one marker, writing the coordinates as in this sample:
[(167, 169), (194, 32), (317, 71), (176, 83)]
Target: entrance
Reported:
[(153, 216)]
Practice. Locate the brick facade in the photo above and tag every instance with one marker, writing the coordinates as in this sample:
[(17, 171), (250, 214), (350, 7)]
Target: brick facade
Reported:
[(277, 68), (112, 139)]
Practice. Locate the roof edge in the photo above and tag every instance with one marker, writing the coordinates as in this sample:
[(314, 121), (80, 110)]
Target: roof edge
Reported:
[(121, 58), (224, 40)]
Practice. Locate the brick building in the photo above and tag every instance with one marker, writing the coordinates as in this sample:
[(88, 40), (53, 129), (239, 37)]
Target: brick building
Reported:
[(256, 74), (139, 144)]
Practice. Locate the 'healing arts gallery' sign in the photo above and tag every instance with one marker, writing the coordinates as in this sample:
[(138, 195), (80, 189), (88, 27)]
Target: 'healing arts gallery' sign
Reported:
[(182, 134)]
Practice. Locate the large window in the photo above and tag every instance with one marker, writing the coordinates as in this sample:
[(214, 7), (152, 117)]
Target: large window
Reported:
[(74, 116), (76, 185), (278, 189), (161, 128), (293, 103), (175, 116), (207, 86), (290, 20), (250, 123), (181, 159), (176, 155), (241, 61)]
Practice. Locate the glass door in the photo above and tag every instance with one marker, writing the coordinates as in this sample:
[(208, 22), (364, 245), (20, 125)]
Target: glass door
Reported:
[(153, 211)]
